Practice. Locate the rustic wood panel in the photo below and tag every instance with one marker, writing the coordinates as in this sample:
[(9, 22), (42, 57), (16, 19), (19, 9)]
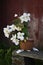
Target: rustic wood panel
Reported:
[(30, 54), (35, 7)]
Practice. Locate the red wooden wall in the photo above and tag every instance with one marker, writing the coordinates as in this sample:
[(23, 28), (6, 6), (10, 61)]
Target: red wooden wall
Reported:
[(35, 7)]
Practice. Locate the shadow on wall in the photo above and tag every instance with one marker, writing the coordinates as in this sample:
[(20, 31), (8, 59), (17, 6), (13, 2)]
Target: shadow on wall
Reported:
[(33, 25)]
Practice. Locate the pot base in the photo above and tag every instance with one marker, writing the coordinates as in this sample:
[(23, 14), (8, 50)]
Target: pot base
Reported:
[(28, 45)]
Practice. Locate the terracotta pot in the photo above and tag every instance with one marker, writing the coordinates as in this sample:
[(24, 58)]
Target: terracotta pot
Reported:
[(28, 45)]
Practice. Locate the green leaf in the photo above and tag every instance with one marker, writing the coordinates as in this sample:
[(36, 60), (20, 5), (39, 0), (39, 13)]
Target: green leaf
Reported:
[(25, 30)]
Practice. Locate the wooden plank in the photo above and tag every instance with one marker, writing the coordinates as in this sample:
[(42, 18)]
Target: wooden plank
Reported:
[(30, 54)]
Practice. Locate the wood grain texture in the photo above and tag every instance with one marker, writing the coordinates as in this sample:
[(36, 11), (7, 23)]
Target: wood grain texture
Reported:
[(35, 7), (30, 54)]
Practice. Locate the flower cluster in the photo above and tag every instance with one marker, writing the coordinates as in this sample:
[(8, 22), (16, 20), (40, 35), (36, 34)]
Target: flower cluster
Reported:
[(19, 29)]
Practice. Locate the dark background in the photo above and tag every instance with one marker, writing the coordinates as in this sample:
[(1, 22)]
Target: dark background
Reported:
[(9, 7)]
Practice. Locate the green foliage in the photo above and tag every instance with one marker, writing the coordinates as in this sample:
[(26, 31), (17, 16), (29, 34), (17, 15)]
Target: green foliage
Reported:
[(6, 53), (5, 56), (25, 29), (18, 23), (14, 47), (8, 56)]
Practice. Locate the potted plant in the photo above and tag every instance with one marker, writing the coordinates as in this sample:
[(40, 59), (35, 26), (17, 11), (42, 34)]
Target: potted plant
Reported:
[(18, 31)]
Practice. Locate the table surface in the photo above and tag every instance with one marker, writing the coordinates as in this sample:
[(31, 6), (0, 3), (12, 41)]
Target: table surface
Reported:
[(30, 54)]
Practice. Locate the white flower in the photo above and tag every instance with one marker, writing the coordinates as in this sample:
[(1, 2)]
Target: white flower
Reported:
[(14, 40), (6, 32), (20, 36), (13, 37), (15, 30), (12, 27), (25, 17), (9, 28), (15, 15), (6, 35), (18, 28)]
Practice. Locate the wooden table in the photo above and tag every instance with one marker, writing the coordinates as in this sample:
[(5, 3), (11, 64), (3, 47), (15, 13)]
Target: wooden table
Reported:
[(29, 56)]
